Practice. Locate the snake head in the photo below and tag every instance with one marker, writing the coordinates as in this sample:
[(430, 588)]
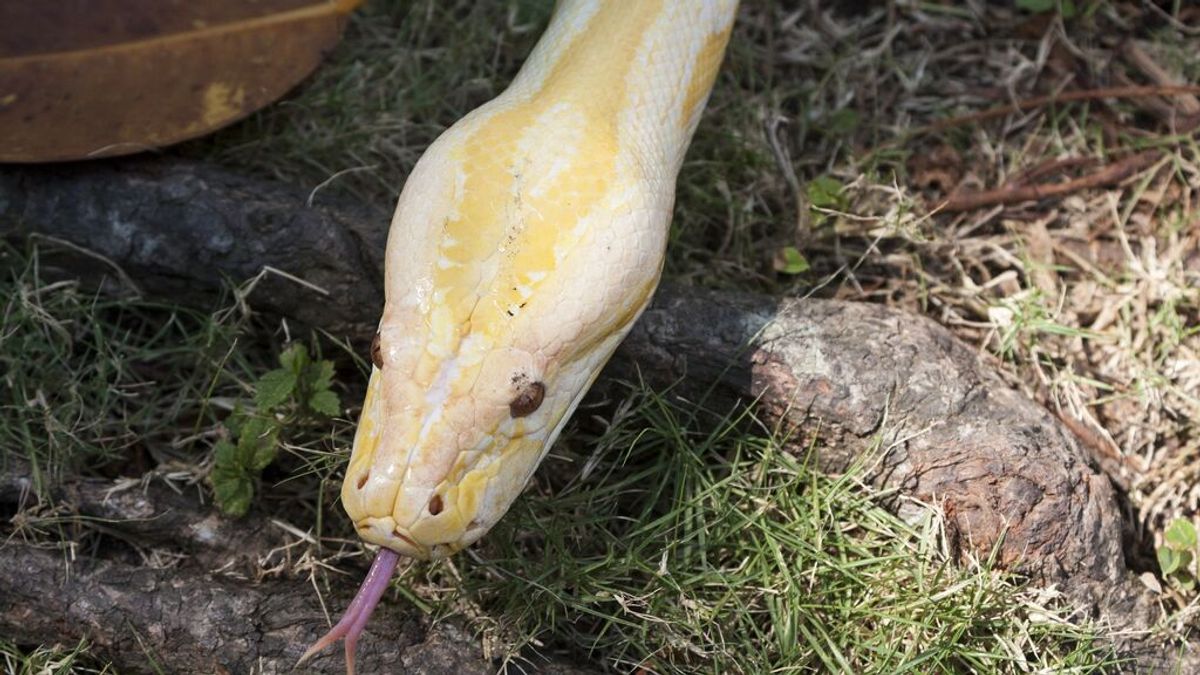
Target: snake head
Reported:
[(512, 275), (434, 468)]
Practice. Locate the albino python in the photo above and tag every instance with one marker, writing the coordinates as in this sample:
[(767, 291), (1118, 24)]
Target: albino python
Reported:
[(526, 241)]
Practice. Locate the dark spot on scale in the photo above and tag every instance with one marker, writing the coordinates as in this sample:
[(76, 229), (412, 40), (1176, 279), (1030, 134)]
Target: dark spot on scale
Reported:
[(376, 352), (509, 312), (529, 398), (362, 480), (435, 505)]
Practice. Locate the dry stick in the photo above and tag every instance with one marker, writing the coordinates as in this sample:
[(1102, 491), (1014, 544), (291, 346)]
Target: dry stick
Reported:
[(1138, 91), (1134, 91), (1138, 57), (1109, 175), (1053, 166), (1012, 194)]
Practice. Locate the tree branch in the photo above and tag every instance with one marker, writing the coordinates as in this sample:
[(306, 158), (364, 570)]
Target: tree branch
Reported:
[(212, 610), (1014, 194)]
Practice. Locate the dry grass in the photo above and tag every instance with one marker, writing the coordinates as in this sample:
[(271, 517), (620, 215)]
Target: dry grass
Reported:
[(659, 535), (821, 136), (818, 137), (1090, 302)]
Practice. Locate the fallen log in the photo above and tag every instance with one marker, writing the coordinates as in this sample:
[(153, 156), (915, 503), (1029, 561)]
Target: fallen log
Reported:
[(213, 612), (188, 620), (185, 231), (1010, 477)]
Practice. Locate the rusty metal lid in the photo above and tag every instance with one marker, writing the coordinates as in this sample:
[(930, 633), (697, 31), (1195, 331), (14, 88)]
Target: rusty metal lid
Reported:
[(96, 78)]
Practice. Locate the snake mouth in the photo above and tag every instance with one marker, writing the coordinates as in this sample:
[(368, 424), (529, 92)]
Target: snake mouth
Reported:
[(384, 532)]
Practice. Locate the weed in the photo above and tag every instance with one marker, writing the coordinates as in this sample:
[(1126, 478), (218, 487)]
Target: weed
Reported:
[(298, 393)]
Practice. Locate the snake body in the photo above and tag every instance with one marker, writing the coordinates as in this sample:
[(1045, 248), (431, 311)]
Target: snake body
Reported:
[(526, 241)]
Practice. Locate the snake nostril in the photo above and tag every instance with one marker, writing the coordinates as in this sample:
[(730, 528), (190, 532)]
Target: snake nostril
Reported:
[(435, 505), (362, 480)]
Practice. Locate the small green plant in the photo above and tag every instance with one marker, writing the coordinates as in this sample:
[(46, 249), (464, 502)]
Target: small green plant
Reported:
[(789, 260), (1065, 7), (297, 391), (825, 192), (1176, 554)]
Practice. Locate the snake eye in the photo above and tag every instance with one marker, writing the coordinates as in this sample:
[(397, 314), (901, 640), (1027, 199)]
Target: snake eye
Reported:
[(528, 400), (376, 352)]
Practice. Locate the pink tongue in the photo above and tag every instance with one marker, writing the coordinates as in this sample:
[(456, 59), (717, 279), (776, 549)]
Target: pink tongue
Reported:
[(354, 621)]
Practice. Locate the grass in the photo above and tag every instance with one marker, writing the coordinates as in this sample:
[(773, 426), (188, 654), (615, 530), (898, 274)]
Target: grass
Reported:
[(49, 660), (687, 541), (116, 386), (1090, 302), (669, 537), (82, 373)]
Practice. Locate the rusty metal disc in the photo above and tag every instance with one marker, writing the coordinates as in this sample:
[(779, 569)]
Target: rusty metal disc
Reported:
[(96, 78)]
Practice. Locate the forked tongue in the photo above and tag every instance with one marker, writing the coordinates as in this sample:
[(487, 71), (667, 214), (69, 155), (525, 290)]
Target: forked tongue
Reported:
[(354, 621)]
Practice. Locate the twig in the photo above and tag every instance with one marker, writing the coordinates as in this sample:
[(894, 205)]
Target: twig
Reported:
[(1137, 91), (1012, 194), (1053, 166), (1138, 58)]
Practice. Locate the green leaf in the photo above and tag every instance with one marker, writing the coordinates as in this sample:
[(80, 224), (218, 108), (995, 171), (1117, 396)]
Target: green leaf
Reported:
[(825, 192), (320, 375), (791, 261), (325, 402), (274, 388), (1036, 5), (257, 444), (294, 358), (1181, 535), (236, 418), (1168, 560), (842, 122), (1067, 8), (225, 454), (233, 490)]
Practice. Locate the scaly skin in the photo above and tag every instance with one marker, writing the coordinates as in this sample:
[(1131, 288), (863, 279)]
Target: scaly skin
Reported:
[(527, 240)]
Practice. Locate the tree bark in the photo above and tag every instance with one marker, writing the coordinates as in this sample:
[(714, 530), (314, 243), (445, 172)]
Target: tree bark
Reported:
[(185, 231), (211, 611), (187, 620), (1011, 479)]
